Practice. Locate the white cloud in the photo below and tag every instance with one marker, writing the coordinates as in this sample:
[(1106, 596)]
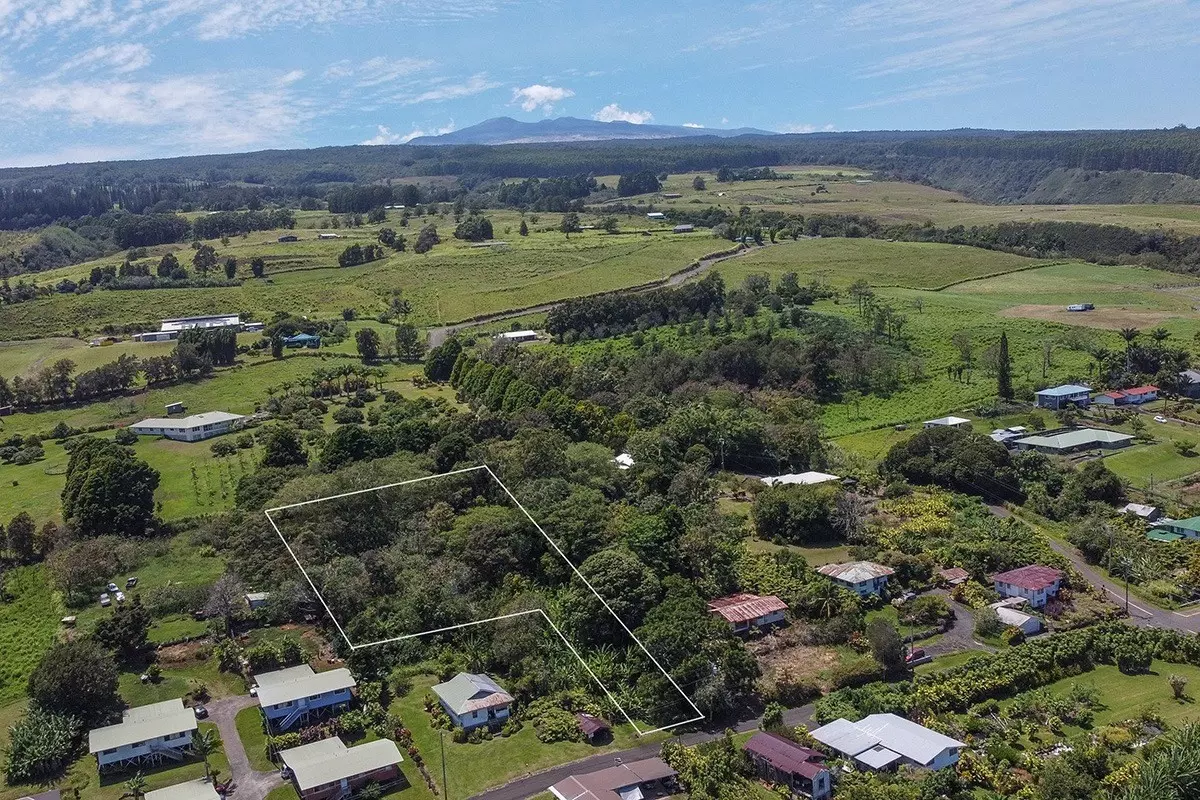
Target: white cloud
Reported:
[(381, 69), (288, 78), (692, 125), (539, 96), (385, 135), (120, 58), (805, 127), (614, 113), (476, 84)]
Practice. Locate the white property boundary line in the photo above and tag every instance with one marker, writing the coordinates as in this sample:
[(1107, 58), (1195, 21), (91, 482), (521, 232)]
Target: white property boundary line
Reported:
[(699, 714)]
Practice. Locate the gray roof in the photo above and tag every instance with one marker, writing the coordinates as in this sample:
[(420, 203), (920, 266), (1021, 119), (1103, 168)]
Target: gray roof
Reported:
[(194, 421), (467, 692), (329, 760), (1065, 390), (1077, 438), (884, 732), (878, 757), (1190, 375), (845, 737), (856, 571), (294, 683), (143, 723), (198, 789), (800, 478), (949, 421)]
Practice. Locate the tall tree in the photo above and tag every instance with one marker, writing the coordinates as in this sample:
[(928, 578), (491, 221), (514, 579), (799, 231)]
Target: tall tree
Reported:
[(126, 632), (108, 490), (19, 537), (367, 341), (1004, 384), (226, 599), (77, 678), (283, 447), (570, 224), (408, 342)]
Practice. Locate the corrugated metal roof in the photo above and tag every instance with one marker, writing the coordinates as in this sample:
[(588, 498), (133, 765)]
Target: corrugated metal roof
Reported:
[(192, 790), (856, 571), (1032, 577), (800, 478), (329, 760), (286, 685), (906, 737), (785, 754), (1064, 390), (142, 724), (467, 692), (845, 737), (606, 783), (1079, 438), (746, 607)]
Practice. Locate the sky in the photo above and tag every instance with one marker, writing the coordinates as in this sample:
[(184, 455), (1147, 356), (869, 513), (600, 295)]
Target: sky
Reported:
[(93, 80)]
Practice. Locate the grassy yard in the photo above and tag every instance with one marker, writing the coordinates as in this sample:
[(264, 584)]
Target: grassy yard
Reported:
[(816, 556), (254, 739), (28, 626), (471, 768)]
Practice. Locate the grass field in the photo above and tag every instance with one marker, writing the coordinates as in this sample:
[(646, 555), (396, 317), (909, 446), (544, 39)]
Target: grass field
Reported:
[(28, 626), (249, 723)]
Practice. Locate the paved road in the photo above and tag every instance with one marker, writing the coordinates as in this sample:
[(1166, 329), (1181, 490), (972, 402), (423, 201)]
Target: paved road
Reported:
[(438, 335), (249, 784), (539, 782)]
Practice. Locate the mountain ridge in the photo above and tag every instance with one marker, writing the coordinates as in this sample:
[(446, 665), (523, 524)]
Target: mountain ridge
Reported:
[(506, 130)]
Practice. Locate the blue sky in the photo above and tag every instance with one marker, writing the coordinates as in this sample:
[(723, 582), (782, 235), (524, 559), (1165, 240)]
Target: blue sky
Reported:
[(87, 80)]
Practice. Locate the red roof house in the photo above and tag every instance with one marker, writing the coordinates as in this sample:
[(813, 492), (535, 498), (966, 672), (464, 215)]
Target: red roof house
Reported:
[(1035, 583), (743, 610), (784, 762)]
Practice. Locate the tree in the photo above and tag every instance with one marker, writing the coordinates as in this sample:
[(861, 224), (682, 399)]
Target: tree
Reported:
[(19, 537), (426, 239), (127, 631), (135, 787), (108, 490), (206, 744), (953, 458), (277, 346), (231, 265), (524, 229), (226, 600), (77, 678), (204, 259), (609, 225), (367, 340), (698, 183), (643, 182), (408, 342), (1178, 684), (283, 447), (1004, 385), (258, 266), (570, 224), (168, 266), (886, 646), (442, 358)]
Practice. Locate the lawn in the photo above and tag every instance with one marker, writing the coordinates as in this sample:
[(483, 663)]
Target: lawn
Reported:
[(28, 626), (816, 556), (471, 768), (249, 723)]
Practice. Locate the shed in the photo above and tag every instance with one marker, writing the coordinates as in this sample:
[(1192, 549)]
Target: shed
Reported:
[(948, 422), (592, 727), (256, 600), (175, 408), (685, 228)]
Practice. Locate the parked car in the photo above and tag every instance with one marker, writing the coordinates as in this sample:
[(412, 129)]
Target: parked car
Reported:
[(916, 654), (1159, 418), (131, 582), (254, 691), (112, 587), (105, 601), (120, 597), (200, 711)]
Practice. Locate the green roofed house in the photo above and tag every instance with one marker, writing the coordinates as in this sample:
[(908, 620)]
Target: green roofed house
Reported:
[(1182, 528), (1074, 441), (1163, 536), (473, 700)]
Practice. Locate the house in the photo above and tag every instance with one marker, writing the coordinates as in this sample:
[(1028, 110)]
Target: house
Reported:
[(1148, 513), (329, 236), (195, 428), (1057, 397), (631, 781), (785, 763), (198, 789), (292, 695), (1073, 441), (592, 727), (257, 600), (1006, 437), (882, 741), (861, 577), (671, 195), (1159, 535), (1133, 397), (252, 327), (1081, 307), (685, 228), (145, 735), (743, 611), (656, 215), (1189, 383), (1008, 610), (1185, 528), (1035, 583), (302, 340), (954, 575), (53, 794), (518, 336), (473, 700), (6, 411), (800, 479), (155, 336), (949, 422), (212, 321), (289, 237), (624, 461), (327, 769), (175, 408)]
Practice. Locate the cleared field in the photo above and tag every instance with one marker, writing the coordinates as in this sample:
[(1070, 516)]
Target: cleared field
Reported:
[(840, 262)]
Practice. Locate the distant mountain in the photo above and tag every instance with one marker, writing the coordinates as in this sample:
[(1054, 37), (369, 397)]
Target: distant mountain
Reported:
[(506, 130)]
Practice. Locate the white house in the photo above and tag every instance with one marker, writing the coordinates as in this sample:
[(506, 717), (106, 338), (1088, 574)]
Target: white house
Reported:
[(187, 323), (145, 735), (800, 479), (288, 696), (861, 577), (1035, 583), (948, 422), (1148, 513), (656, 215), (188, 429), (1008, 610), (744, 610), (473, 700), (882, 741), (257, 600), (518, 336), (329, 236), (198, 789)]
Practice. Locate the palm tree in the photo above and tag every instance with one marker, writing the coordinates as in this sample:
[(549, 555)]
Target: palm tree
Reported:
[(1160, 335), (135, 787), (205, 744), (1129, 334)]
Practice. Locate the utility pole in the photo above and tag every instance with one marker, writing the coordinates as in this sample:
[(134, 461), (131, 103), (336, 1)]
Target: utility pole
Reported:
[(445, 791), (721, 441)]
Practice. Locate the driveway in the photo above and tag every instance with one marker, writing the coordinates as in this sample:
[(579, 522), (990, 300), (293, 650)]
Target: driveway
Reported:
[(960, 636), (248, 784)]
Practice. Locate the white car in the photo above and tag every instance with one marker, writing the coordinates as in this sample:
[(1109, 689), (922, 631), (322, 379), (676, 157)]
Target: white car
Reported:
[(120, 597), (112, 587), (105, 601), (1159, 418)]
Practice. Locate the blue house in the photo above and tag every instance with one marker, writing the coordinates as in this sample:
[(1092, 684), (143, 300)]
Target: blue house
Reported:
[(1057, 397), (302, 340), (288, 696), (474, 700)]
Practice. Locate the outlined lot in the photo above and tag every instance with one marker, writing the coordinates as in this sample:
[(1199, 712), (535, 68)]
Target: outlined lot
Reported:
[(280, 515)]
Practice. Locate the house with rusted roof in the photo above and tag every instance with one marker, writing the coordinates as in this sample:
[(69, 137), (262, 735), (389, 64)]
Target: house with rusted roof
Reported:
[(473, 700), (635, 780), (861, 577), (744, 610), (781, 761), (1034, 582)]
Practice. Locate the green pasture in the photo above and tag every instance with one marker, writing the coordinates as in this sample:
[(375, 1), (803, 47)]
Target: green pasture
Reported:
[(29, 624)]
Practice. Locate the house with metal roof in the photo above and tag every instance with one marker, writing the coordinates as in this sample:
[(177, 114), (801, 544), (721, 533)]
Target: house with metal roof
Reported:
[(861, 577), (1075, 440), (145, 735), (1035, 583), (1070, 394), (292, 695), (328, 769), (884, 741), (198, 789), (1127, 397), (744, 610), (1148, 513), (948, 422), (302, 340), (1186, 528), (1010, 613), (781, 761), (518, 336), (799, 479), (635, 780), (1189, 383), (474, 700), (195, 428)]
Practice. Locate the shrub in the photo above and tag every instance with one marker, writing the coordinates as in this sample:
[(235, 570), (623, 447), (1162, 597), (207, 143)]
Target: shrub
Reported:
[(348, 416), (125, 436), (459, 736), (1133, 657), (557, 725), (40, 746), (987, 622)]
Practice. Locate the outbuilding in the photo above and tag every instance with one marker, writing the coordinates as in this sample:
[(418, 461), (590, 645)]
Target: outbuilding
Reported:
[(518, 336), (949, 422)]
